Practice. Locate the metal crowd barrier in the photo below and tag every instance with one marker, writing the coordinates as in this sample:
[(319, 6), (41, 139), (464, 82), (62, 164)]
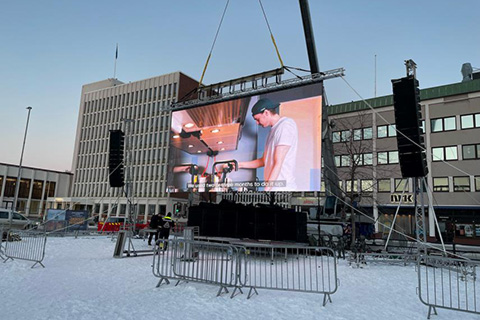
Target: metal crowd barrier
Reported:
[(26, 245), (3, 238), (291, 268), (449, 284), (209, 263), (357, 259), (288, 267)]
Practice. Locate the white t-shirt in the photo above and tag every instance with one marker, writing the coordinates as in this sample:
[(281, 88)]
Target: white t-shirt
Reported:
[(283, 133)]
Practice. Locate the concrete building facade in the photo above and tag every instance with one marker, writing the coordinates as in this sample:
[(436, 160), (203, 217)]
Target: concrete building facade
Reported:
[(366, 156), (138, 109), (38, 188)]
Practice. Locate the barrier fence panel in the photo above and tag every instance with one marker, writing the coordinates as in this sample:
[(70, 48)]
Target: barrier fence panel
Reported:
[(210, 263), (26, 245), (185, 260), (3, 239), (359, 259), (163, 260), (449, 283), (291, 268)]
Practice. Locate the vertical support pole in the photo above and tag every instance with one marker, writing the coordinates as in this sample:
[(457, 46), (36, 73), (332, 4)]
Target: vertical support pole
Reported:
[(331, 177), (17, 185)]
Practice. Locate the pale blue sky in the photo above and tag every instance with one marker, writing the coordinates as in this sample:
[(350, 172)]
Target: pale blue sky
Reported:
[(49, 49)]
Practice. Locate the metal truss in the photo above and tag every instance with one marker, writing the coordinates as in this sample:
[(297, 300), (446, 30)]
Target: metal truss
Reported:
[(268, 81)]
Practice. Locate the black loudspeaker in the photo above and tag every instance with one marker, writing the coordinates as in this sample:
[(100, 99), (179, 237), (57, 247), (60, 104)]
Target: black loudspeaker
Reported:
[(115, 159), (406, 98)]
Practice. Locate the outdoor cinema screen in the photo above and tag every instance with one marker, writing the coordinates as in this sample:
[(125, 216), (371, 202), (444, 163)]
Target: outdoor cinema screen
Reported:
[(266, 142)]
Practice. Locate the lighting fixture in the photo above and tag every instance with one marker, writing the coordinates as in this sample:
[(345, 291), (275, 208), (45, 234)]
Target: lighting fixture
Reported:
[(176, 136), (215, 130), (189, 125), (220, 142)]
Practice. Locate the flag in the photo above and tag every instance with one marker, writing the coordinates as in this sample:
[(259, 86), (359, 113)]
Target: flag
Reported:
[(116, 52)]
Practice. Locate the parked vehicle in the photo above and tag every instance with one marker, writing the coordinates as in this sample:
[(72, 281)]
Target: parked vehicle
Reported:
[(114, 224), (15, 220)]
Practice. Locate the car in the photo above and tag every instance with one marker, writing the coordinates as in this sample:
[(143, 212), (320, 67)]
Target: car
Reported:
[(13, 219)]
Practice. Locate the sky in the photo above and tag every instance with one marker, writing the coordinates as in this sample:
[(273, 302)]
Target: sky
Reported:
[(49, 49)]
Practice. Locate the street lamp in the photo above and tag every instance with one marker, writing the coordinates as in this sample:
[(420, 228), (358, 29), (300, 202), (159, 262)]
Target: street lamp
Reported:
[(17, 185)]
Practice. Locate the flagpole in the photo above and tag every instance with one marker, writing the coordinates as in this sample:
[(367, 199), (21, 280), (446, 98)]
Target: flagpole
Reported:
[(115, 66)]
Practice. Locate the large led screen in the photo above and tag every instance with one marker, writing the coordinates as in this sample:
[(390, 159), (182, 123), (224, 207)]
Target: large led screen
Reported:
[(267, 142)]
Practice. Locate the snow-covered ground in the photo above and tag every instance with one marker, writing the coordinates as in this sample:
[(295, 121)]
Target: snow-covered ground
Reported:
[(83, 281)]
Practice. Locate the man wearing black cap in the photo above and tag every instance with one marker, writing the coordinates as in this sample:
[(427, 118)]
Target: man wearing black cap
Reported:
[(280, 152)]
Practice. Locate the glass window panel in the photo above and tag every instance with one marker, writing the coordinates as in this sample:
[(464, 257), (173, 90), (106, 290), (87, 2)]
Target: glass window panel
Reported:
[(477, 120), (384, 185), (368, 159), (451, 153), (346, 135), (449, 124), (366, 185), (467, 121), (382, 157), (357, 159), (349, 184), (392, 132), (477, 183), (440, 184), (401, 184), (468, 152), (345, 161), (357, 134), (437, 125), (337, 161), (336, 137), (381, 131), (437, 154), (393, 157), (461, 184), (367, 133), (478, 151)]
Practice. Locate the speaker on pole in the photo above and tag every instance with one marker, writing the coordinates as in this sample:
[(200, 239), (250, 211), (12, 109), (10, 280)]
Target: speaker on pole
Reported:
[(115, 159), (406, 103)]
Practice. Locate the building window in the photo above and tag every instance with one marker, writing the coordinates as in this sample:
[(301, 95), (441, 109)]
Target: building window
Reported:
[(336, 137), (401, 184), (444, 153), (383, 185), (422, 126), (440, 184), (366, 185), (467, 121), (368, 159), (387, 157), (443, 124), (349, 184), (337, 161), (461, 184), (341, 136), (386, 131), (471, 151), (477, 183), (362, 134), (345, 161)]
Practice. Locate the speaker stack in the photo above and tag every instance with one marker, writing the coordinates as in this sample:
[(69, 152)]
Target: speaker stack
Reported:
[(115, 159), (411, 145), (261, 222)]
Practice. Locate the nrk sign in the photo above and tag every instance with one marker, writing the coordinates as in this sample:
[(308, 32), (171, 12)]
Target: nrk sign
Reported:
[(397, 198)]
